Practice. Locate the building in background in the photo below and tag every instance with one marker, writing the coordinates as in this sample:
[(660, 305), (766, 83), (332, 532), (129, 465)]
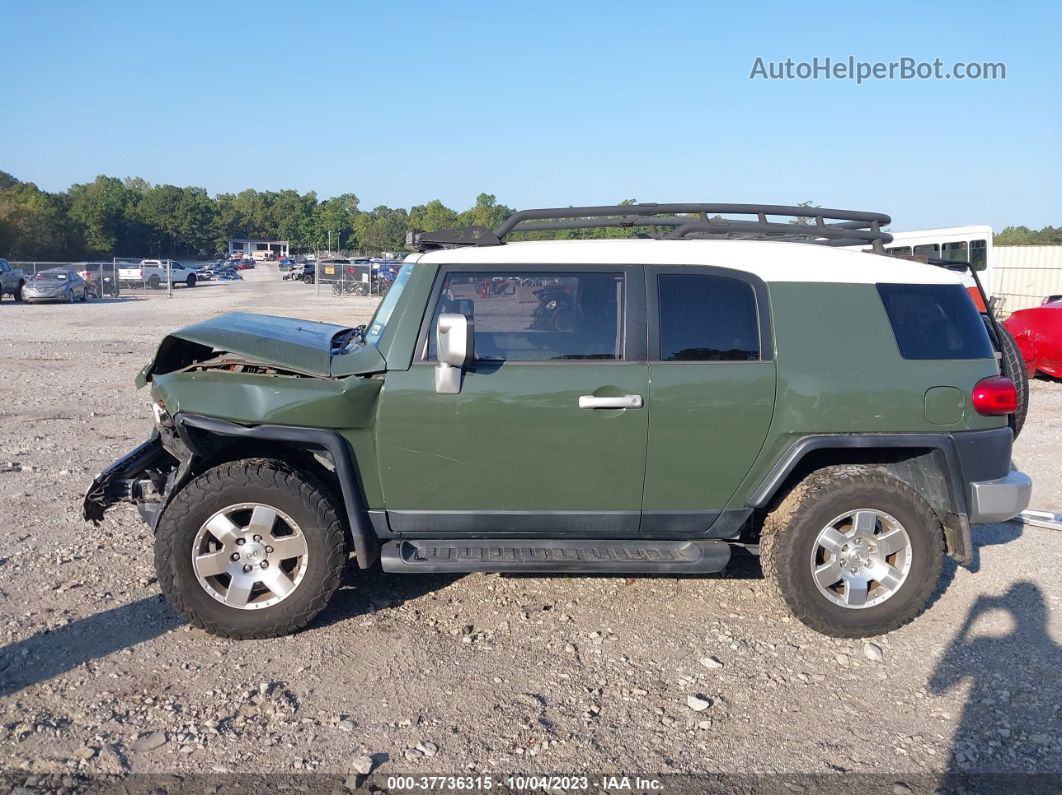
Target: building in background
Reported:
[(257, 249), (1026, 275)]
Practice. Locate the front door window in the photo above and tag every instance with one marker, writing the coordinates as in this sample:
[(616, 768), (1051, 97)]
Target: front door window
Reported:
[(537, 317)]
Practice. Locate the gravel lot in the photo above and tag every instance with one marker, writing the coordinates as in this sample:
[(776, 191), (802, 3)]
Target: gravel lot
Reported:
[(482, 672)]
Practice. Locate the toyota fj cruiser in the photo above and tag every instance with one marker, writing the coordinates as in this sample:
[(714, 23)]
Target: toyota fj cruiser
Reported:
[(638, 405)]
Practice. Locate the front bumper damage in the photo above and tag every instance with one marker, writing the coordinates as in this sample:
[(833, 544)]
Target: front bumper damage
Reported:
[(142, 476)]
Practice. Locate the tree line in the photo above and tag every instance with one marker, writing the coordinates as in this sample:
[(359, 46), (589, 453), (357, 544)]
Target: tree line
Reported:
[(130, 217)]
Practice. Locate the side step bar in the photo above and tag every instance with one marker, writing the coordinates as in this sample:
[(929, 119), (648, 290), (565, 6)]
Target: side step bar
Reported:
[(559, 556)]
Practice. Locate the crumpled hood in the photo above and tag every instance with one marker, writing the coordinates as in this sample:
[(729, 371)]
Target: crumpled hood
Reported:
[(304, 346)]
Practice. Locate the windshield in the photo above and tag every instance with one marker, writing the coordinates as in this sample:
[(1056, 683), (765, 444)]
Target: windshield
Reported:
[(376, 327)]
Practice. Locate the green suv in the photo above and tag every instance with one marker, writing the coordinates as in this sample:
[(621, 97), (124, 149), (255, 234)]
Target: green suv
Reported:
[(643, 403)]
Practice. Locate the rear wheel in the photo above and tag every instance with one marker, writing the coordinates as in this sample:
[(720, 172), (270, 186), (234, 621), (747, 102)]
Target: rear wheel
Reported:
[(853, 552), (154, 282), (250, 549)]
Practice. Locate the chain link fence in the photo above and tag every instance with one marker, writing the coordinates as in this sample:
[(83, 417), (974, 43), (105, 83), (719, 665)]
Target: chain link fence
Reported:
[(101, 277), (357, 277)]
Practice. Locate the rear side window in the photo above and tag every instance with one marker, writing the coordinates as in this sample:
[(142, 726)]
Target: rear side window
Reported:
[(707, 319), (935, 321)]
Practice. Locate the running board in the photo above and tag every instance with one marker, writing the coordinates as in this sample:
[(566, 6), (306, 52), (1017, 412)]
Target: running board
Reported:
[(560, 556)]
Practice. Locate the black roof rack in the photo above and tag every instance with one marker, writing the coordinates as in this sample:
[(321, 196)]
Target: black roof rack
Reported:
[(680, 222)]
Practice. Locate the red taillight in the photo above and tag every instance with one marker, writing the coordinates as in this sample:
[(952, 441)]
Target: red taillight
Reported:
[(995, 395), (141, 273)]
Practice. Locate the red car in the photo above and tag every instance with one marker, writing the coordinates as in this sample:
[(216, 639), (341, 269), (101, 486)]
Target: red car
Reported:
[(1038, 332)]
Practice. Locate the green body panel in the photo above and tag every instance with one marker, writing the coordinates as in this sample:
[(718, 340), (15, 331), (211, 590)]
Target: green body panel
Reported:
[(346, 405), (840, 371), (945, 405), (513, 439), (707, 423)]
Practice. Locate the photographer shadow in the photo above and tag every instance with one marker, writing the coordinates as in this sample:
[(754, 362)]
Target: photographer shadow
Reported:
[(1010, 720)]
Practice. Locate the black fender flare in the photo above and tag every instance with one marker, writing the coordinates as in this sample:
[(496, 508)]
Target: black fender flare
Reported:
[(362, 535), (805, 445), (965, 456)]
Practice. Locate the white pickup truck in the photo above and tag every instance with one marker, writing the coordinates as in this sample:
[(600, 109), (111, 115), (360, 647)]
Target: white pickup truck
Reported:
[(152, 273)]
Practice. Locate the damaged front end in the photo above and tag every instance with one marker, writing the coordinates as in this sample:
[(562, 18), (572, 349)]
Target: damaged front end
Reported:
[(243, 371), (145, 476)]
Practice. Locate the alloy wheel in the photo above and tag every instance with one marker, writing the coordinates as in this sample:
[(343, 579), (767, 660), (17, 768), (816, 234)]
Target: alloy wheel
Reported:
[(861, 558), (249, 556)]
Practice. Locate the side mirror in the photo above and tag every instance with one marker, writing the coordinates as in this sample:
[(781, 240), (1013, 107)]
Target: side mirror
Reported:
[(454, 343)]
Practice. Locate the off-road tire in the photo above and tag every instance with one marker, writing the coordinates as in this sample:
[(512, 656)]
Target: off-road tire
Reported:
[(307, 279), (790, 531), (251, 480), (1014, 368)]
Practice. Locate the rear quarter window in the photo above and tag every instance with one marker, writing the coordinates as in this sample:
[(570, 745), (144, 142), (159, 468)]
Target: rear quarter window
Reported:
[(935, 321)]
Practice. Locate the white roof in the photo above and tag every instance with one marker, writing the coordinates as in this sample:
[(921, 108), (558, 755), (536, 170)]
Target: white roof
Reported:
[(772, 261)]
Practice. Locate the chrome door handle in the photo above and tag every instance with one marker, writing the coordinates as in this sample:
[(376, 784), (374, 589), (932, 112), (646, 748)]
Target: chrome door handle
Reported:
[(621, 402)]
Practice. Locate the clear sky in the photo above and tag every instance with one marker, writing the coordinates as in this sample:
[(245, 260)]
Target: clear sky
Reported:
[(543, 103)]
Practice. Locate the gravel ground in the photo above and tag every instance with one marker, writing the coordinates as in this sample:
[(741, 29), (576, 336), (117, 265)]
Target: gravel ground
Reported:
[(482, 672)]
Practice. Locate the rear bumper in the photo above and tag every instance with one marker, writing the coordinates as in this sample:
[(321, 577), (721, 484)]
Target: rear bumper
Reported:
[(1000, 499)]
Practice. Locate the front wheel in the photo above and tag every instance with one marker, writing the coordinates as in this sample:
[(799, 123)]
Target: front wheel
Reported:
[(190, 281), (853, 552), (250, 549)]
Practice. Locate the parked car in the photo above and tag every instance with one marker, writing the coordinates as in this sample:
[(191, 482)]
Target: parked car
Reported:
[(153, 273), (459, 432), (285, 263), (304, 272), (1038, 332), (207, 273), (245, 264), (222, 271), (12, 281), (55, 284)]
